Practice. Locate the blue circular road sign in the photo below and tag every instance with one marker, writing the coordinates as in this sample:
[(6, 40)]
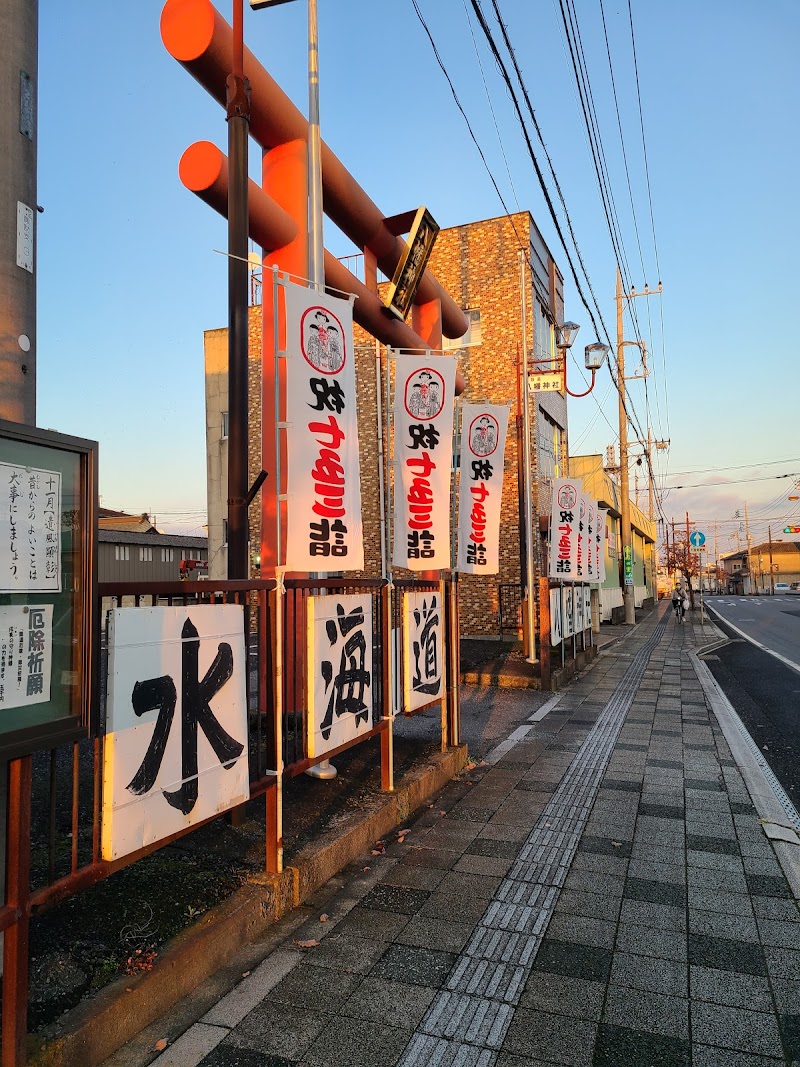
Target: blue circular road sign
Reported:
[(697, 539)]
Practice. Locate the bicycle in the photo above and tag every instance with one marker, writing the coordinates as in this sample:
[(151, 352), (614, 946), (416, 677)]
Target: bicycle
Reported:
[(680, 611)]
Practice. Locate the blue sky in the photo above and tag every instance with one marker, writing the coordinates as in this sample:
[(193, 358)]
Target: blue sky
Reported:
[(128, 276)]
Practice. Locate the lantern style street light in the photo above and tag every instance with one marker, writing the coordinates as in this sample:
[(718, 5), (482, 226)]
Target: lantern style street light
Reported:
[(594, 355)]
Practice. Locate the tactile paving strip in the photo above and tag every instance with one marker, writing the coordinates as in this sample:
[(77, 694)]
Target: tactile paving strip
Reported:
[(468, 1020)]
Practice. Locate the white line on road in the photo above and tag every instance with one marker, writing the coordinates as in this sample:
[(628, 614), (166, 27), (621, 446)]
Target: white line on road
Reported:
[(789, 663)]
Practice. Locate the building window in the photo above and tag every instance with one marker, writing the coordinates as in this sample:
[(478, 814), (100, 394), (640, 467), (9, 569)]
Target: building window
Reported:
[(549, 440), (471, 337), (167, 555), (190, 553), (145, 554), (544, 339), (225, 422), (122, 552)]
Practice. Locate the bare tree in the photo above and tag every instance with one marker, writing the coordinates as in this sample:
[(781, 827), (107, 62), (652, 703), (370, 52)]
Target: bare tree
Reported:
[(681, 558)]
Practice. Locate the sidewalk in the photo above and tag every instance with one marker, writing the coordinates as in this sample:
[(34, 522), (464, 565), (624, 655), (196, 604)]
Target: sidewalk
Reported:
[(602, 892)]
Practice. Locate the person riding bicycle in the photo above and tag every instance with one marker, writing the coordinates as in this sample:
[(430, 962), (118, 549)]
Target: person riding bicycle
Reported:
[(677, 602)]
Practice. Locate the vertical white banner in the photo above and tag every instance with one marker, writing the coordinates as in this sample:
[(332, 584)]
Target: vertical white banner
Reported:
[(600, 533), (323, 478), (591, 544), (580, 563), (483, 445), (340, 674), (564, 519), (424, 397)]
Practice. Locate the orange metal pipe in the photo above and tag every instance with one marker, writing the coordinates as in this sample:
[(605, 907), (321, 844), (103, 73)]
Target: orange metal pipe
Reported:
[(197, 35), (204, 170)]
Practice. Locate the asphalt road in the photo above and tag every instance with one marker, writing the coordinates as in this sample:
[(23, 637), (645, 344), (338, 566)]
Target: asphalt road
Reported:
[(764, 690), (771, 621)]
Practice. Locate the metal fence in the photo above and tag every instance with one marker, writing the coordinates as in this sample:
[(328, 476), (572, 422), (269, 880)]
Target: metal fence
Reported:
[(50, 858)]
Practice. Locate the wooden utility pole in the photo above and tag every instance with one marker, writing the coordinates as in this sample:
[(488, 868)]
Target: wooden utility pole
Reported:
[(771, 572), (747, 535)]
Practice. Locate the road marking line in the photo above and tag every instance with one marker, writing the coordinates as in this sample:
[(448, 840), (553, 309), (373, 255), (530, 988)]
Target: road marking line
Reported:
[(789, 663)]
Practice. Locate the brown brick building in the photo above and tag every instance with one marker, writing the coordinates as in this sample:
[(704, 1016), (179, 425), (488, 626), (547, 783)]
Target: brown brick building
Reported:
[(480, 265)]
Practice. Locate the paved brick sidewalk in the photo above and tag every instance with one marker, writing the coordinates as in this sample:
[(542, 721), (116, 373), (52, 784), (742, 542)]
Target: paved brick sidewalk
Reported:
[(603, 894)]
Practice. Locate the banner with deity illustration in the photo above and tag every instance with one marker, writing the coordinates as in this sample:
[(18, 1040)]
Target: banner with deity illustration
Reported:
[(423, 458), (591, 544), (600, 541), (564, 529), (483, 445), (323, 477)]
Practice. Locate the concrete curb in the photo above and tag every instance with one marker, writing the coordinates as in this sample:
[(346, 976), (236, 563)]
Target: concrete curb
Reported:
[(97, 1027), (769, 799), (497, 674)]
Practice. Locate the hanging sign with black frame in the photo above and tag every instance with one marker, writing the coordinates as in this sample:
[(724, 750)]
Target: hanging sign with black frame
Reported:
[(48, 577)]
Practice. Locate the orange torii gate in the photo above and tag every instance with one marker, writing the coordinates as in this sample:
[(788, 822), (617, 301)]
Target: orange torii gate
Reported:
[(197, 35)]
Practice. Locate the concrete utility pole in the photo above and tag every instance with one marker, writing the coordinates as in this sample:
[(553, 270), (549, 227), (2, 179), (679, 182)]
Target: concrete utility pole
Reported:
[(19, 27), (771, 572), (628, 598), (625, 499), (747, 535)]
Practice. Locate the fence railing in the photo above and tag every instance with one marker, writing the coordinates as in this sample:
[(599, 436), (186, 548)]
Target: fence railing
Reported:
[(50, 858)]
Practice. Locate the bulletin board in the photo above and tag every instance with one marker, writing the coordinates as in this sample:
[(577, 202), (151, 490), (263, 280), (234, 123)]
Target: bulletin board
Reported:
[(48, 577)]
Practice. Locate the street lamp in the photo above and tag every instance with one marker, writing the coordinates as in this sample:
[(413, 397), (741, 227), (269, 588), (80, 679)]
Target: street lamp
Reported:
[(594, 355)]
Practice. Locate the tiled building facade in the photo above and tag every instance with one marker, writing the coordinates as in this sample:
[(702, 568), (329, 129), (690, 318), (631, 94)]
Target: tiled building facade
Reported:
[(479, 264)]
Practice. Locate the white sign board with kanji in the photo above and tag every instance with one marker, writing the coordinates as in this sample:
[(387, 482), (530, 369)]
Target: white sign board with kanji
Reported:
[(175, 750), (423, 649), (556, 616), (340, 674), (26, 655)]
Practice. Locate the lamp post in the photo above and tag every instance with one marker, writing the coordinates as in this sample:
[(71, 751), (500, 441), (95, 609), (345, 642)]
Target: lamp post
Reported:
[(594, 355), (594, 358), (527, 495)]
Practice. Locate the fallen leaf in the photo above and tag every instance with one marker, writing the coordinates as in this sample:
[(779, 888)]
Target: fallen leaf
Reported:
[(160, 1045), (617, 844), (311, 943), (366, 868), (245, 974), (442, 812), (324, 917), (469, 782)]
